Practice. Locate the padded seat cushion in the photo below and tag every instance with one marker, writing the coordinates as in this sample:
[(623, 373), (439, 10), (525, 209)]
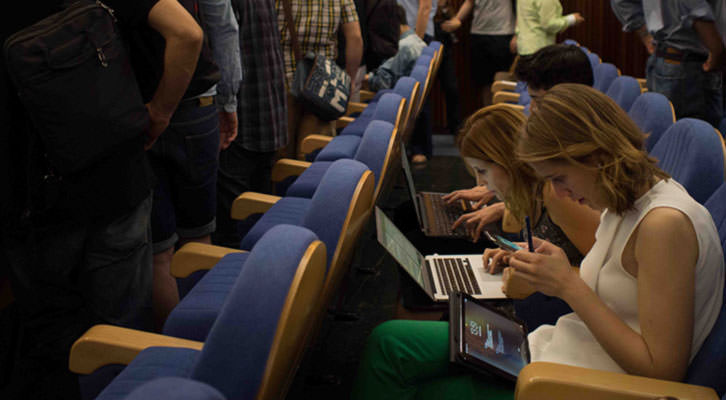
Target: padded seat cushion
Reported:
[(288, 210), (308, 181), (196, 312), (151, 363), (357, 127)]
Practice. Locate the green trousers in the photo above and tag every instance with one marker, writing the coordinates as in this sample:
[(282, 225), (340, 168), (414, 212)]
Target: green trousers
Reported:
[(410, 360)]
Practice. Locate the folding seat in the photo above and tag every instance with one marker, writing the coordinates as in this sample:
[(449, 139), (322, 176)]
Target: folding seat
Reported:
[(336, 214), (571, 42), (175, 388), (604, 74), (653, 113), (624, 90), (594, 58), (705, 378), (391, 108), (376, 150), (692, 152), (253, 346)]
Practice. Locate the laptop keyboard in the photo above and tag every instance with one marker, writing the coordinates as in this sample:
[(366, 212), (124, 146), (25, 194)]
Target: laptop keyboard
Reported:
[(456, 274), (445, 215)]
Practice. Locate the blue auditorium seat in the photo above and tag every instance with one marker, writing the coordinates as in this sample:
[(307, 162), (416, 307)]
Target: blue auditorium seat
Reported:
[(691, 151), (604, 74), (624, 90), (653, 113)]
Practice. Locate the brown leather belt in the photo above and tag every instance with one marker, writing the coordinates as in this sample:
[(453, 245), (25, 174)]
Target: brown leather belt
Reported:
[(676, 56)]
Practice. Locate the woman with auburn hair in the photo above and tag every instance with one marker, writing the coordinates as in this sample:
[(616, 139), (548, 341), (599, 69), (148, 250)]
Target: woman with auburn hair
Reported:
[(646, 296)]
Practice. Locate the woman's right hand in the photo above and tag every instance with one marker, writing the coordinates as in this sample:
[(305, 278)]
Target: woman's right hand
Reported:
[(477, 220), (480, 194), (451, 25)]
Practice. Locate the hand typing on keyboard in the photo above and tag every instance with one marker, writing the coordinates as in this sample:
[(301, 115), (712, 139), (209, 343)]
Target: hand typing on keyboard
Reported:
[(480, 195), (477, 220)]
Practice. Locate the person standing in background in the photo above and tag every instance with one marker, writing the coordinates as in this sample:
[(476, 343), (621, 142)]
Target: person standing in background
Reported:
[(538, 23), (492, 29)]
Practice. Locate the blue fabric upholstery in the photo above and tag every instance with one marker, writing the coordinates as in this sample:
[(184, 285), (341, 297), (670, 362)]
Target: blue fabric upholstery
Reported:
[(329, 206), (196, 312), (379, 94), (175, 388), (604, 74), (358, 125), (419, 73), (343, 146), (624, 90), (571, 42), (594, 59), (306, 184), (653, 114), (520, 87), (708, 368), (371, 152), (404, 87), (429, 51), (385, 110), (236, 350), (690, 150), (424, 60), (288, 210), (435, 44), (151, 363), (524, 98)]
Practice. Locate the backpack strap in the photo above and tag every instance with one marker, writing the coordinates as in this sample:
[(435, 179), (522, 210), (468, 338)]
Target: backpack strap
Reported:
[(292, 28)]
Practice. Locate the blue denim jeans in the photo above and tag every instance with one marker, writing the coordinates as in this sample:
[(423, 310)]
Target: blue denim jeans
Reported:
[(693, 92), (185, 161)]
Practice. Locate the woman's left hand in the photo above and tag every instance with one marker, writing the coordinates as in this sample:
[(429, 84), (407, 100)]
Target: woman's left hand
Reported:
[(547, 269)]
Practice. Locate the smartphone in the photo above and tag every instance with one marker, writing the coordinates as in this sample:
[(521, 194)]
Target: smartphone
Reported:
[(501, 242)]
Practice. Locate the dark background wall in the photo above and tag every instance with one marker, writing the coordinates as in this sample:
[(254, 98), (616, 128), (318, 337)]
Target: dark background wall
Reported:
[(601, 33)]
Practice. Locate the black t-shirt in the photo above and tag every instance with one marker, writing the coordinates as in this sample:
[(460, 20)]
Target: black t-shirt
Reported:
[(111, 187)]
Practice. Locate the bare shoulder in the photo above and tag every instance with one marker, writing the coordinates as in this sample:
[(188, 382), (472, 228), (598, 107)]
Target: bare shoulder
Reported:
[(666, 236), (664, 221)]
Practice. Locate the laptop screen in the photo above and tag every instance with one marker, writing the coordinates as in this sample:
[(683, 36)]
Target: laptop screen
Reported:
[(409, 180), (494, 339), (399, 246)]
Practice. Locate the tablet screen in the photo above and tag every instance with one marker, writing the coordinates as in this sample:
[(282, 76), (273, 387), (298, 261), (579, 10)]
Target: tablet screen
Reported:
[(493, 338)]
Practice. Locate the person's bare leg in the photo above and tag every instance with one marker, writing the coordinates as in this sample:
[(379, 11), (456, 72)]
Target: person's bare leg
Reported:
[(165, 294)]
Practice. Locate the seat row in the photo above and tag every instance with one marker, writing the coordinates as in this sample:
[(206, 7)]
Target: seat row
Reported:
[(241, 331)]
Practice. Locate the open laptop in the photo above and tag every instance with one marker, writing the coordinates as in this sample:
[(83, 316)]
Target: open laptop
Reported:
[(438, 275), (434, 216)]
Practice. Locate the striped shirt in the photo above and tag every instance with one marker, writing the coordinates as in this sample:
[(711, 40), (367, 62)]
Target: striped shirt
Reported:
[(317, 23)]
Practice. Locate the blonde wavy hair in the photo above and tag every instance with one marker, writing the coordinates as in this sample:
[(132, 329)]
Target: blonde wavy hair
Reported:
[(576, 123), (491, 134)]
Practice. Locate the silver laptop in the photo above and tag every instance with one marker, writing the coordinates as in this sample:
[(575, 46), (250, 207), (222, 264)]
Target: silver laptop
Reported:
[(434, 216), (438, 275)]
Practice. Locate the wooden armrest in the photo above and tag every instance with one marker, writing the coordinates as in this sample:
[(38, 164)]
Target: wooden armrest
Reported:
[(249, 203), (642, 82), (106, 345), (507, 86), (366, 95), (195, 256), (548, 381), (514, 106), (342, 122), (505, 97), (354, 107), (314, 142), (288, 167)]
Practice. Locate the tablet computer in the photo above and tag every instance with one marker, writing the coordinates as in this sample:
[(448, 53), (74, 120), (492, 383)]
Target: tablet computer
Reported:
[(486, 340)]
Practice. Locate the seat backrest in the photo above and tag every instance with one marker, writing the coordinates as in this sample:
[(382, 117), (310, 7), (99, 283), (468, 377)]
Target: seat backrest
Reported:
[(653, 113), (172, 387), (524, 98), (594, 58), (624, 90), (571, 42), (604, 75), (409, 88), (338, 211), (240, 355), (691, 151), (708, 368), (390, 108), (375, 150)]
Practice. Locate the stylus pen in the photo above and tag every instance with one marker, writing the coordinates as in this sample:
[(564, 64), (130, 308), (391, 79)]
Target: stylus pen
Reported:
[(528, 226)]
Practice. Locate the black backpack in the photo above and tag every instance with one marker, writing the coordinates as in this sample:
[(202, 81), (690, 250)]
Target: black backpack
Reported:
[(73, 76)]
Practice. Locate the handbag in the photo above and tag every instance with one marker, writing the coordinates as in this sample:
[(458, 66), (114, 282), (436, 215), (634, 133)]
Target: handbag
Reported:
[(319, 83)]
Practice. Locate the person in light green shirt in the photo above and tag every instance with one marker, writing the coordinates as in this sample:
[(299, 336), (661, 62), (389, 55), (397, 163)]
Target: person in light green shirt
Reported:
[(538, 23)]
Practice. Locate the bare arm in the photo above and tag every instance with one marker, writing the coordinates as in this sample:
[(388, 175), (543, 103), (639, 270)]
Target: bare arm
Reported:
[(183, 42), (353, 47), (665, 251), (710, 38), (455, 22), (422, 18)]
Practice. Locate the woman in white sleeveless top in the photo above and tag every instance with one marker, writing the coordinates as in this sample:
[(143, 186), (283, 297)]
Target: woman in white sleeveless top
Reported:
[(650, 290)]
